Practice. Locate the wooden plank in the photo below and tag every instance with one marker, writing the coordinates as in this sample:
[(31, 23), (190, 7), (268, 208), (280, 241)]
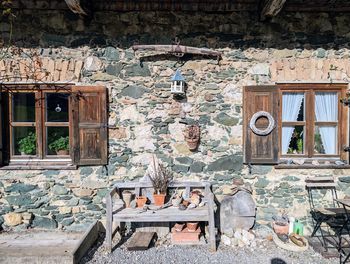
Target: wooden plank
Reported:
[(320, 185), (109, 222), (141, 241), (86, 242), (319, 179), (175, 184)]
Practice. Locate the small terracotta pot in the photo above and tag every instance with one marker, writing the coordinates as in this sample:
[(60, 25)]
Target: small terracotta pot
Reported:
[(280, 228), (192, 226), (185, 203), (141, 201), (159, 199), (179, 226), (62, 152), (127, 198)]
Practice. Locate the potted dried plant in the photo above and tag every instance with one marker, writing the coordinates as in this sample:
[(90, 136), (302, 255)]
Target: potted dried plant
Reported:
[(160, 178), (192, 136)]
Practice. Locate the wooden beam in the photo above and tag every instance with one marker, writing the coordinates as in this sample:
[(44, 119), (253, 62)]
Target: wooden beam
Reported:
[(270, 8)]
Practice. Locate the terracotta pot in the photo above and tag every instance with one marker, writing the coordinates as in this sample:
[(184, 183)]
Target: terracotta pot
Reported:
[(127, 198), (62, 152), (141, 201), (159, 199), (192, 143), (185, 203), (179, 226), (192, 226), (280, 228)]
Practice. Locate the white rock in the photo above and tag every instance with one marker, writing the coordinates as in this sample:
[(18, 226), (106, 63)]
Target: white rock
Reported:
[(92, 63), (248, 235), (260, 69), (225, 240)]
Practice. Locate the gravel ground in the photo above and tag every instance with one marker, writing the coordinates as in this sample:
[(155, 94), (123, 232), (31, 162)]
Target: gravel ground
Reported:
[(264, 252)]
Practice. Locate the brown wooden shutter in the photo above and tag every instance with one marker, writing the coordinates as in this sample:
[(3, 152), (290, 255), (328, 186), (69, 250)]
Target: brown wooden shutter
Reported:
[(2, 123), (89, 125), (260, 149)]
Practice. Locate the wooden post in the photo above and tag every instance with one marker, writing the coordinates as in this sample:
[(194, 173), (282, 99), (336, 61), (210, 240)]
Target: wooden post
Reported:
[(212, 238), (109, 222)]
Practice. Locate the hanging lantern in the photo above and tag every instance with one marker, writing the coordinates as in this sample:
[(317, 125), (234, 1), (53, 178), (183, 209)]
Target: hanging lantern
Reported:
[(178, 83)]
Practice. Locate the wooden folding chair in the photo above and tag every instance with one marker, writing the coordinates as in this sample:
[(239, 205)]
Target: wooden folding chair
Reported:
[(328, 215)]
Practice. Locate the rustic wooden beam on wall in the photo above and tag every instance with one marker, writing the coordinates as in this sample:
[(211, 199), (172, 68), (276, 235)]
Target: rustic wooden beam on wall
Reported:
[(270, 8)]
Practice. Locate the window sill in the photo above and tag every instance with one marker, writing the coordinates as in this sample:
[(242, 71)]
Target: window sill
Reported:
[(39, 165), (311, 166)]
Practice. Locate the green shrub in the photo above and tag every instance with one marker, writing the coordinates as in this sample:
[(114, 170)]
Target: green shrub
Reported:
[(27, 145), (62, 143)]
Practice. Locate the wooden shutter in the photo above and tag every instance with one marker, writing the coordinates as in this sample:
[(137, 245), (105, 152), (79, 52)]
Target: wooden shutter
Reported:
[(89, 125), (260, 149), (2, 124)]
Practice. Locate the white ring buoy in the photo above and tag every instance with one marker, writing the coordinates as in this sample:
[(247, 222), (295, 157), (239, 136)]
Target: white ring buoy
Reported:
[(267, 130)]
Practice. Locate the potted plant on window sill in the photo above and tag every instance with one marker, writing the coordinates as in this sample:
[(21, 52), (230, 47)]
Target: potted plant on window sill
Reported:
[(60, 146), (27, 145), (160, 178)]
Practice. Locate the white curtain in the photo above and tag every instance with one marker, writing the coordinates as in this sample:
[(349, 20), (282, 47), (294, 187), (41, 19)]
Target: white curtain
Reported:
[(326, 109), (291, 103)]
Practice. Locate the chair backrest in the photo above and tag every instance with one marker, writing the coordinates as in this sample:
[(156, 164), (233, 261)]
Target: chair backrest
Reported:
[(320, 183)]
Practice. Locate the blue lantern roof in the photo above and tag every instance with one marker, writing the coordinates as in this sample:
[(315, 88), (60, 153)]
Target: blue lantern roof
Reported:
[(177, 76)]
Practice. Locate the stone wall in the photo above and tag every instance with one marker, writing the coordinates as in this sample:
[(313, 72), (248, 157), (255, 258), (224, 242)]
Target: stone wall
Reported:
[(302, 47)]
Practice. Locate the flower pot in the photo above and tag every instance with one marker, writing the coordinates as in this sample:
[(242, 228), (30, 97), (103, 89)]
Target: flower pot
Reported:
[(280, 228), (62, 152), (192, 143), (159, 199), (141, 201), (127, 198), (179, 227), (192, 226)]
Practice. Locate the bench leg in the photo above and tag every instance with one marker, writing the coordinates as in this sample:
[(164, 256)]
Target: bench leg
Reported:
[(211, 222), (109, 224)]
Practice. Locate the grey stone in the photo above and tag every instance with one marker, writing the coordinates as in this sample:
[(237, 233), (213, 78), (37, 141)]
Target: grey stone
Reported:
[(260, 69), (180, 168), (20, 187), (261, 169), (73, 202), (111, 53), (114, 69), (290, 178), (44, 222), (237, 212), (59, 190), (226, 120), (211, 86), (134, 91), (345, 179), (51, 173), (137, 70), (261, 183), (320, 53), (21, 200), (86, 170), (184, 160), (67, 221), (93, 207), (232, 162), (197, 166)]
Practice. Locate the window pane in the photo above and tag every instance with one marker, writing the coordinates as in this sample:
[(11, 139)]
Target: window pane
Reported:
[(293, 140), (23, 107), (293, 107), (57, 107), (57, 140), (325, 140), (24, 140), (326, 106)]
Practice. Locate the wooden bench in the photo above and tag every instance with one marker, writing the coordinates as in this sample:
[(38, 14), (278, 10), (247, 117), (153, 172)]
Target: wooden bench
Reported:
[(169, 214)]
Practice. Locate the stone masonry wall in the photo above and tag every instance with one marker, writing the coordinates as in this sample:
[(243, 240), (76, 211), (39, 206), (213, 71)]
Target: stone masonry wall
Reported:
[(150, 121)]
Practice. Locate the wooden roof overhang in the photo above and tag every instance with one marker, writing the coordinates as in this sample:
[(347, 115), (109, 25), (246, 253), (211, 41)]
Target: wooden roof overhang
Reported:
[(265, 8)]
